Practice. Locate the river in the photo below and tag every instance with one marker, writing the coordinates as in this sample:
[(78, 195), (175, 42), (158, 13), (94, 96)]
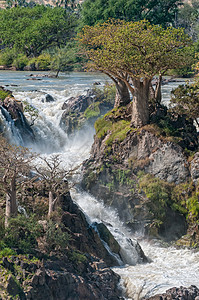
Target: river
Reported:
[(169, 267)]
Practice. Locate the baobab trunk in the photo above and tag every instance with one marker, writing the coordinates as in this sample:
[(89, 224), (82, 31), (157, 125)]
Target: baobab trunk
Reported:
[(158, 94), (51, 204), (11, 202), (122, 97), (140, 105)]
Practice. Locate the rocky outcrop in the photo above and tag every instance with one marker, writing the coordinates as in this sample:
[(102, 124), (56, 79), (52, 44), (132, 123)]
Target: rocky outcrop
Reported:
[(79, 271), (182, 293), (12, 111), (120, 156), (47, 98), (82, 109), (84, 237), (57, 279)]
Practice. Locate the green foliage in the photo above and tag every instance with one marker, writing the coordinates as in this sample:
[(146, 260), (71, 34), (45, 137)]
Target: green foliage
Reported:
[(22, 234), (185, 199), (20, 62), (118, 131), (134, 52), (4, 94), (31, 30), (77, 257), (56, 237), (102, 126), (92, 111), (158, 192), (7, 56), (43, 61), (66, 58), (7, 252), (185, 100), (188, 17), (157, 12), (193, 205)]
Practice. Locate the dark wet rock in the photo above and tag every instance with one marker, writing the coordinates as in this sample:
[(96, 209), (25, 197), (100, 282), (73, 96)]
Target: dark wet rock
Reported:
[(48, 98), (82, 109), (12, 110), (85, 238), (181, 293)]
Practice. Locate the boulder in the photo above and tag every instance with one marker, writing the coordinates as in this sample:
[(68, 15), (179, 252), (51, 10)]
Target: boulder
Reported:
[(47, 98), (12, 110), (181, 293), (82, 109)]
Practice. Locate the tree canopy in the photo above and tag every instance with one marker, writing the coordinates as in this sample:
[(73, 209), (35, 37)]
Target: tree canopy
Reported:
[(31, 30), (185, 100), (134, 52), (156, 11)]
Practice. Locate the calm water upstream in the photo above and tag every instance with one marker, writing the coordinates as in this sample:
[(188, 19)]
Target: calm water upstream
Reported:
[(169, 267)]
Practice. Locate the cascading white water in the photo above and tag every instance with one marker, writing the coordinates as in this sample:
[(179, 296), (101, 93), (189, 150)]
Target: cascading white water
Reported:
[(169, 267)]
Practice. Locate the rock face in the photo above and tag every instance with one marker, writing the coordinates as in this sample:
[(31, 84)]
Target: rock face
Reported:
[(112, 174), (85, 238), (82, 109), (58, 280), (182, 293), (12, 111)]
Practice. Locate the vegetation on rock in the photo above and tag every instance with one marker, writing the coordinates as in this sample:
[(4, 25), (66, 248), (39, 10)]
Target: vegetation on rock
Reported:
[(133, 53)]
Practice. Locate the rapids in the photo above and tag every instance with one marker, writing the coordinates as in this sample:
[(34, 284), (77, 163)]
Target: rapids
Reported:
[(169, 267)]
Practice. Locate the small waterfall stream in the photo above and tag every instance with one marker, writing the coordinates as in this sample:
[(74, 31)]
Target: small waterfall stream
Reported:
[(168, 267)]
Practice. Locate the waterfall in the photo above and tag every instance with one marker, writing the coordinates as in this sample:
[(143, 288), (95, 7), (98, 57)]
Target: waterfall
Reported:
[(168, 267), (12, 133)]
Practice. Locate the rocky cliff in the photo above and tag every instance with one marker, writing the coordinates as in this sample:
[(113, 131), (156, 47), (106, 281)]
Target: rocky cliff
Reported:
[(138, 171)]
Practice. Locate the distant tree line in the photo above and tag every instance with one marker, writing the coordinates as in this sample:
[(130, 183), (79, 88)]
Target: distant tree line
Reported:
[(38, 37)]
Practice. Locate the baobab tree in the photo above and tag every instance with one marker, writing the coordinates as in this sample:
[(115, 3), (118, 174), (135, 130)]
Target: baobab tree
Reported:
[(50, 170), (131, 54), (14, 172)]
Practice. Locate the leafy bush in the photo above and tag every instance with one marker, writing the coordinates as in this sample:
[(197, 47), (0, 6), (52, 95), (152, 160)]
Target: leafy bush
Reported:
[(7, 56), (7, 252), (20, 62), (158, 192), (4, 94), (43, 61), (22, 234), (56, 238), (92, 111)]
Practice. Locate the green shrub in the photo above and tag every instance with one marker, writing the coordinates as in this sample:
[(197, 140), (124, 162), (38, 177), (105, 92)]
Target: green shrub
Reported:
[(7, 252), (77, 257), (92, 111), (22, 234), (20, 62), (158, 192), (4, 94), (56, 238), (43, 61), (7, 56)]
